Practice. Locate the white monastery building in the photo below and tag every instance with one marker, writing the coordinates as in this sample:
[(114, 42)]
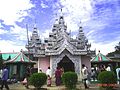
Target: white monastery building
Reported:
[(60, 49)]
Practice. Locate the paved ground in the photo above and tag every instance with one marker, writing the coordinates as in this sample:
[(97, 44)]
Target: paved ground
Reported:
[(18, 86)]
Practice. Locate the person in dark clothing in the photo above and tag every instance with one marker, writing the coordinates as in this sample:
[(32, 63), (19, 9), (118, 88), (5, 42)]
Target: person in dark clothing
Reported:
[(58, 76), (4, 78), (27, 75)]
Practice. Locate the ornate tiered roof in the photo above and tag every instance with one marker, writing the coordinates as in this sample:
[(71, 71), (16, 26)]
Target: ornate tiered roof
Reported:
[(58, 41)]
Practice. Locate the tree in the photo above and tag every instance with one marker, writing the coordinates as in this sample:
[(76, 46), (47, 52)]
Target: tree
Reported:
[(9, 57), (116, 52), (117, 48), (1, 61)]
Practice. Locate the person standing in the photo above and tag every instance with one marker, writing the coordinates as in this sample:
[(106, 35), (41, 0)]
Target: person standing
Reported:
[(108, 68), (58, 76), (84, 76), (62, 71), (93, 75), (27, 75), (40, 70), (49, 81), (118, 74), (1, 71), (48, 72), (4, 78)]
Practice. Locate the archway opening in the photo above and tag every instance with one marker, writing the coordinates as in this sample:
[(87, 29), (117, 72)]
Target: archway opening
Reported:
[(66, 64)]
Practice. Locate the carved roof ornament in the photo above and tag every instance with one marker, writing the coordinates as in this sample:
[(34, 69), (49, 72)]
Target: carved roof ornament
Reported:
[(61, 12), (60, 40), (80, 27), (56, 20)]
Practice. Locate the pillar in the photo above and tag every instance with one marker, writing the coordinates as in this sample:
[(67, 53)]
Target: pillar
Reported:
[(38, 65), (80, 74)]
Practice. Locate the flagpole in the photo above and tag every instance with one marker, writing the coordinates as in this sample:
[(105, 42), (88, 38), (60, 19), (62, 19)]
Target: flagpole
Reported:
[(27, 34), (27, 40)]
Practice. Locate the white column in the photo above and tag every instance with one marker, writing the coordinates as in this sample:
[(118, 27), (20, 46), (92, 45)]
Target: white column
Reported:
[(80, 76), (38, 65), (51, 65)]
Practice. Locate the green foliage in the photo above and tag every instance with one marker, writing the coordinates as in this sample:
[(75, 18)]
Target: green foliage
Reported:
[(1, 61), (117, 47), (38, 80), (107, 79), (117, 51), (70, 80), (9, 57)]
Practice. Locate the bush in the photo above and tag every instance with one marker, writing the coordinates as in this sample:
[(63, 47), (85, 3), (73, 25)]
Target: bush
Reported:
[(107, 79), (38, 80), (70, 80)]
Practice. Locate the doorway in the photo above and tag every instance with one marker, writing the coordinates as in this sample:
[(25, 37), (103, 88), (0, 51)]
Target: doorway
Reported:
[(66, 64)]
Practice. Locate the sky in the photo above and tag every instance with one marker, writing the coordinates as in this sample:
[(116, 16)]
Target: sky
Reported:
[(100, 20)]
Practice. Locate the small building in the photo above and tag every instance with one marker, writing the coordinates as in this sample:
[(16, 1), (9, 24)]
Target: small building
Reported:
[(60, 49), (17, 63), (116, 58), (101, 59)]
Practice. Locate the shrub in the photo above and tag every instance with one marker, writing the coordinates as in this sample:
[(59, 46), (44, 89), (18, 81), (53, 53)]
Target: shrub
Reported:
[(38, 80), (107, 79), (70, 80)]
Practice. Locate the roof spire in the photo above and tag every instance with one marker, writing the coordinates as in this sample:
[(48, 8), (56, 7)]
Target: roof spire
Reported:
[(61, 13), (35, 25), (99, 51), (80, 27), (56, 20)]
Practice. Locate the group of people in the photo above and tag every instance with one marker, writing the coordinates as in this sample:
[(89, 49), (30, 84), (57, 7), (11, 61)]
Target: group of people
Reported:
[(88, 76), (58, 74), (4, 77)]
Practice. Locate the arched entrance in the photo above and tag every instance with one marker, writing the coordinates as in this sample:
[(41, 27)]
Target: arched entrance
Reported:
[(67, 64)]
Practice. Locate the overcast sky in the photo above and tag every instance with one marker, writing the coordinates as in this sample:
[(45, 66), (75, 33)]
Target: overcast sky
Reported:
[(100, 20)]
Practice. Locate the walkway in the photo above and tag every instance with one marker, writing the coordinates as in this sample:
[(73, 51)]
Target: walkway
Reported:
[(18, 86)]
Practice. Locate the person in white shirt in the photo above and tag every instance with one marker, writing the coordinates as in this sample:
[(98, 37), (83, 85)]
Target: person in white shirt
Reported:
[(84, 75), (108, 68), (118, 74), (48, 72), (1, 71)]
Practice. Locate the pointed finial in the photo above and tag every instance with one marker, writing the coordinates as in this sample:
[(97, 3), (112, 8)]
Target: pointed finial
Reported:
[(56, 15), (21, 50), (56, 19), (80, 27), (35, 25), (61, 13), (61, 9), (80, 24)]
